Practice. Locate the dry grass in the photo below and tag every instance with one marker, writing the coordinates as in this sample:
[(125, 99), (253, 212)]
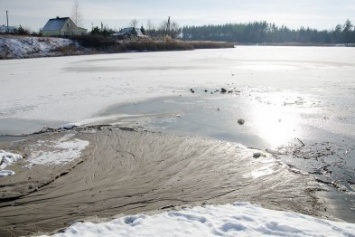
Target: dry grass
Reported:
[(210, 44), (110, 45)]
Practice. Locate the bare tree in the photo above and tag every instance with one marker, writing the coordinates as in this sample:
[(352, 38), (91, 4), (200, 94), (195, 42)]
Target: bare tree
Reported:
[(134, 23), (149, 25), (175, 30), (77, 15), (171, 29)]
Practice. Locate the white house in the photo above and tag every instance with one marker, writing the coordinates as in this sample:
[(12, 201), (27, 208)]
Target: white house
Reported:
[(3, 29), (62, 26)]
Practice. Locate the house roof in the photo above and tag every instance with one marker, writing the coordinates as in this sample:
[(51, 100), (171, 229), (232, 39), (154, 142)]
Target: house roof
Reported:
[(129, 31), (80, 28), (55, 24)]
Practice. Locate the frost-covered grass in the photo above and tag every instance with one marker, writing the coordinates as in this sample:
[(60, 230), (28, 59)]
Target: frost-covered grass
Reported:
[(25, 47), (239, 219), (7, 159), (112, 45)]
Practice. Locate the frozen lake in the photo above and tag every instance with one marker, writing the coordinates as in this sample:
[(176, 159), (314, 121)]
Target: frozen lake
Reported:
[(298, 102), (297, 85)]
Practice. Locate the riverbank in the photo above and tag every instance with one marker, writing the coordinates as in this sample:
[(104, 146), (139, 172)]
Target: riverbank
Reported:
[(12, 47)]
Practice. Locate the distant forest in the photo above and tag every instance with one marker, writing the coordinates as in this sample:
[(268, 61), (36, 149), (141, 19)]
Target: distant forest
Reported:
[(266, 33)]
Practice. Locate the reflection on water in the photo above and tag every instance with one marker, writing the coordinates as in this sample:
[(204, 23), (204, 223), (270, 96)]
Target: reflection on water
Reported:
[(266, 126), (275, 125)]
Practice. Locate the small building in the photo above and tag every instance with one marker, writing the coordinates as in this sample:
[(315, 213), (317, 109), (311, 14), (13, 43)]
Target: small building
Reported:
[(129, 33), (11, 29), (62, 26)]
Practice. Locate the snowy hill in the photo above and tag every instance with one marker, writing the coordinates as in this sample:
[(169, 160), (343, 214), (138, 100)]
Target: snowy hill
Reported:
[(29, 47)]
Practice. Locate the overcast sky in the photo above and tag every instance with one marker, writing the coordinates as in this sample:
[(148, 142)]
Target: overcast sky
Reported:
[(319, 14)]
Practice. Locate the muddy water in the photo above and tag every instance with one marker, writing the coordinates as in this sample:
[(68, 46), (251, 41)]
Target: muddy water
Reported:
[(295, 129), (126, 172), (132, 172)]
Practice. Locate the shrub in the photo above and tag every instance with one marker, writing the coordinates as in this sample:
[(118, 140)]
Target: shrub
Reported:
[(98, 42), (70, 49), (22, 31)]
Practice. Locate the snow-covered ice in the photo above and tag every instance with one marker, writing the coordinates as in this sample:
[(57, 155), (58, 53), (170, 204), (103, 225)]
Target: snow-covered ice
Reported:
[(58, 152), (7, 159), (75, 89), (238, 219)]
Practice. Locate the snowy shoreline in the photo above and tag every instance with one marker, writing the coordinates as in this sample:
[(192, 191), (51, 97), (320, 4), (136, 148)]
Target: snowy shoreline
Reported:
[(17, 47)]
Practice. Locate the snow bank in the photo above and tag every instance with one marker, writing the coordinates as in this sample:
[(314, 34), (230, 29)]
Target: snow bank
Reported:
[(239, 219), (7, 159), (56, 152), (24, 47)]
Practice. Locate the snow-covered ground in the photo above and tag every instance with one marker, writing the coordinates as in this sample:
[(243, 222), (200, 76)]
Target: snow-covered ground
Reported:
[(59, 152), (7, 159), (238, 219), (63, 151), (25, 47)]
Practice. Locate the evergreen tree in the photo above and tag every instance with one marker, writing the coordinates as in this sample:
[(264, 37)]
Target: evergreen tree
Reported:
[(264, 32)]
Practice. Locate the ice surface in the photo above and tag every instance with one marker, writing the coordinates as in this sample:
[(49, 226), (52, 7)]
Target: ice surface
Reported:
[(239, 219), (74, 89), (7, 159), (59, 152)]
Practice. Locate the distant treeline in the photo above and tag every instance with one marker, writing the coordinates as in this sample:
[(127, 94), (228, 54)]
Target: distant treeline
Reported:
[(266, 33)]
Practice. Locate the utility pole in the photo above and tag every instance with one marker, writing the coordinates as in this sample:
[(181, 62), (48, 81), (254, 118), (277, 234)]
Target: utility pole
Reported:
[(168, 27), (7, 20)]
